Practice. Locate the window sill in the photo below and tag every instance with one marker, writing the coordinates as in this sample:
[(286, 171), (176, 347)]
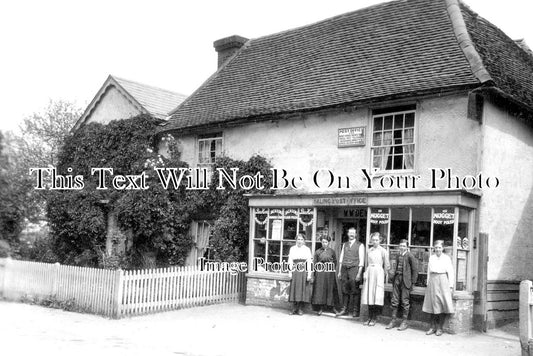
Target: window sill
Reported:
[(456, 295), (378, 174)]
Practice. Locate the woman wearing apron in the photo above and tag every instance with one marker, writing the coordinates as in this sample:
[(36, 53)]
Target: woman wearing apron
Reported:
[(438, 297), (300, 261), (374, 279)]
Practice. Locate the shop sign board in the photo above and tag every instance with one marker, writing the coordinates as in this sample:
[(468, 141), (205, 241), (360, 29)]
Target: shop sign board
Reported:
[(379, 216), (352, 213), (340, 201), (444, 216)]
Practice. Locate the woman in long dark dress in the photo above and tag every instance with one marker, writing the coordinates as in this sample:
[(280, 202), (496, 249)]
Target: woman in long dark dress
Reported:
[(300, 260), (325, 292)]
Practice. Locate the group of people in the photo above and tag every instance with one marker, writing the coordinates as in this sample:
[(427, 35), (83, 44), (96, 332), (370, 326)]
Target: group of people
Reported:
[(350, 269)]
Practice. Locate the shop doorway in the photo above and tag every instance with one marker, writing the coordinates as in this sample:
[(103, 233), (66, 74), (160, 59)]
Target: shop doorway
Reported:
[(344, 224)]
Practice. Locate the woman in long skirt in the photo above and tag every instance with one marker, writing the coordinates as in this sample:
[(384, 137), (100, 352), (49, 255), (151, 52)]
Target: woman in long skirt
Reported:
[(325, 292), (374, 279), (438, 298), (300, 262)]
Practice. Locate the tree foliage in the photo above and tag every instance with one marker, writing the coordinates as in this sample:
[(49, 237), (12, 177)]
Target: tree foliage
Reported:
[(11, 213), (157, 220), (231, 212), (36, 144), (153, 218)]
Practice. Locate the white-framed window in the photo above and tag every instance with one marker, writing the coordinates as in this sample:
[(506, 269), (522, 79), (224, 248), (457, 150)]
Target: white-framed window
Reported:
[(393, 139), (275, 230), (209, 149)]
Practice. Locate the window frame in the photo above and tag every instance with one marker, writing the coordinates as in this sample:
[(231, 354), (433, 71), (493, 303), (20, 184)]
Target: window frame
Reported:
[(469, 287), (310, 240), (214, 136), (391, 112)]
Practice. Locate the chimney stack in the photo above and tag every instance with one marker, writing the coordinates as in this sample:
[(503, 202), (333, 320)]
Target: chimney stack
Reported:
[(227, 46)]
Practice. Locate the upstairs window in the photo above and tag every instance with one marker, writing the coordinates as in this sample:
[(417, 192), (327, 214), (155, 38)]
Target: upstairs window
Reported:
[(209, 149), (393, 142)]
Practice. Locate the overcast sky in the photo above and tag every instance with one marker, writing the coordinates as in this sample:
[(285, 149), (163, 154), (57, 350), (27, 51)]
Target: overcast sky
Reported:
[(58, 49)]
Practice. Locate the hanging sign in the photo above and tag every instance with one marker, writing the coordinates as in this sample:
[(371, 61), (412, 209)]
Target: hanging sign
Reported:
[(351, 136)]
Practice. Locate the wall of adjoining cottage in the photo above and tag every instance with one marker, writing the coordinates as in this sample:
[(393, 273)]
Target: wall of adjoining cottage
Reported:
[(506, 213), (113, 106), (444, 138)]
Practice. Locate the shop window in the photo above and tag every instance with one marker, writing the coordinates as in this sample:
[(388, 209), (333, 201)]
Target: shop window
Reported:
[(276, 229), (443, 221), (421, 226), (463, 248), (379, 222), (393, 141), (399, 228)]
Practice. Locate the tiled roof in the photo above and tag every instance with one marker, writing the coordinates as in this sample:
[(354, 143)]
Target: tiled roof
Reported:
[(145, 98), (388, 50), (509, 65), (158, 102)]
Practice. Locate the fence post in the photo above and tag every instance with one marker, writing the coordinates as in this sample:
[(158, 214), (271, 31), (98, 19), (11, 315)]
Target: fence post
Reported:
[(7, 263), (119, 278), (55, 279), (525, 311)]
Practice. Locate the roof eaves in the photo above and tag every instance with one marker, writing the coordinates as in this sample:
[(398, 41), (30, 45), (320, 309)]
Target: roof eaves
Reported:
[(465, 42), (246, 118)]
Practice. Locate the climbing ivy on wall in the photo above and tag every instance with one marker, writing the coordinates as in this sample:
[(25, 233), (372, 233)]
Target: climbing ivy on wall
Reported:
[(157, 219)]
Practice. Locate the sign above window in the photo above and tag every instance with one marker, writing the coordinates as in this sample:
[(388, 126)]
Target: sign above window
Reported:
[(352, 136), (346, 201)]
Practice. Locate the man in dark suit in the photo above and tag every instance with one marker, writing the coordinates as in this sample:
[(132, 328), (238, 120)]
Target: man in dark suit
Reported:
[(404, 277)]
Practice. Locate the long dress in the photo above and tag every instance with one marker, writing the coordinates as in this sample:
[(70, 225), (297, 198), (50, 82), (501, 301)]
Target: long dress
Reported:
[(438, 297), (373, 287), (325, 284), (299, 289)]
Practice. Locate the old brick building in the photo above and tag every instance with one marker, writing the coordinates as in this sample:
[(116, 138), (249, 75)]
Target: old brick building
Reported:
[(396, 89)]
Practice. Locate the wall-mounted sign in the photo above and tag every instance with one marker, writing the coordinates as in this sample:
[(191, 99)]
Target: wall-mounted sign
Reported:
[(352, 213), (444, 216), (346, 201), (352, 136)]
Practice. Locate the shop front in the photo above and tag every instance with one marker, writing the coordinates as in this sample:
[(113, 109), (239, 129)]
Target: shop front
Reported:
[(419, 217)]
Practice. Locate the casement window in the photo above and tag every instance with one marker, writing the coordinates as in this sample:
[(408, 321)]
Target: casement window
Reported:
[(393, 139), (421, 226), (209, 149)]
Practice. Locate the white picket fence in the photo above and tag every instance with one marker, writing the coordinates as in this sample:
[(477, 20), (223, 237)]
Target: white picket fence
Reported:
[(118, 293)]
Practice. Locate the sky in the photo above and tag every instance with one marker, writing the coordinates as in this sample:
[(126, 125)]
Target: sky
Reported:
[(59, 49)]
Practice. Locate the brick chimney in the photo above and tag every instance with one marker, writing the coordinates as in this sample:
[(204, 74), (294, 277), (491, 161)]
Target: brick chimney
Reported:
[(227, 46)]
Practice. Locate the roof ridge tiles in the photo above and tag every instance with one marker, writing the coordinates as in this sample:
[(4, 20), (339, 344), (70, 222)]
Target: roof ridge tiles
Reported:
[(465, 42), (329, 19), (144, 85)]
